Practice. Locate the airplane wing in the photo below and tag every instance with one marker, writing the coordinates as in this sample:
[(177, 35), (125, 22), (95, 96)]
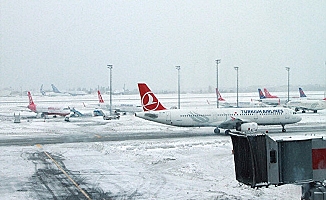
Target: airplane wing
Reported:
[(233, 123)]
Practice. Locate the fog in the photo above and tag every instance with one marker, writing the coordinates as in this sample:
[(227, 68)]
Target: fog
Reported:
[(70, 43)]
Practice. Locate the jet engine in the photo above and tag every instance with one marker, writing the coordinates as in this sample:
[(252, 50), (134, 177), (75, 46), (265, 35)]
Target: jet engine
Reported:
[(251, 127)]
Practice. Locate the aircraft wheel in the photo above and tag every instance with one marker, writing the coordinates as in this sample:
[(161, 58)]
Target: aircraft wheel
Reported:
[(227, 132), (283, 130), (217, 131)]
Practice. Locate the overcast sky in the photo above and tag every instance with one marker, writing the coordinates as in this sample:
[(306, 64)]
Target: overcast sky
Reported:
[(69, 43)]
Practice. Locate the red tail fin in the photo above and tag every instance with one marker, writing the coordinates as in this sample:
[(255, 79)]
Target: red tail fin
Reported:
[(148, 99), (268, 95), (219, 96), (31, 104), (100, 99)]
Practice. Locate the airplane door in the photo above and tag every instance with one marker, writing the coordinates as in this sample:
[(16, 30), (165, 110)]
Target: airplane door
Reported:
[(168, 117), (256, 116), (287, 115)]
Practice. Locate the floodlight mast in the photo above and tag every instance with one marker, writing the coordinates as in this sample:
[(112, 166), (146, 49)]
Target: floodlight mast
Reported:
[(110, 67), (288, 69), (218, 61), (237, 69), (178, 68)]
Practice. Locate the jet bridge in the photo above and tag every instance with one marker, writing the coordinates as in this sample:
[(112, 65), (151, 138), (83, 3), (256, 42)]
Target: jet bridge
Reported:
[(262, 161)]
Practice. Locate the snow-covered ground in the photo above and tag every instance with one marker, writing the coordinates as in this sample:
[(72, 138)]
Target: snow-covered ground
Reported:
[(200, 167)]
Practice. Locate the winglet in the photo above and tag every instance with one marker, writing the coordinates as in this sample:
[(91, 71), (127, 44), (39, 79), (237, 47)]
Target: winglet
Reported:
[(149, 101)]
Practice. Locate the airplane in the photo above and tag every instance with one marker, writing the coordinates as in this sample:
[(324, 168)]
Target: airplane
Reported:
[(54, 92), (222, 102), (57, 92), (222, 118), (303, 95), (47, 110), (268, 95), (123, 107), (273, 101), (218, 94), (306, 104), (252, 103)]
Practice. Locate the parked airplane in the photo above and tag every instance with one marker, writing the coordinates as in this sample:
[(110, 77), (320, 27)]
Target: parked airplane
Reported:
[(123, 107), (306, 104), (304, 96), (222, 102), (251, 104), (268, 95), (224, 118), (273, 101), (220, 98), (74, 93), (54, 92), (47, 110)]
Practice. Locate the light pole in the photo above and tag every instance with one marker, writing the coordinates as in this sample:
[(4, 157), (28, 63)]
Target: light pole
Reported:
[(217, 62), (110, 67), (237, 69), (288, 69), (178, 68)]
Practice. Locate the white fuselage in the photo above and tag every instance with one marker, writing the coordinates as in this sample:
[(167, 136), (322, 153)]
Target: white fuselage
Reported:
[(307, 104), (123, 107), (51, 110), (216, 117)]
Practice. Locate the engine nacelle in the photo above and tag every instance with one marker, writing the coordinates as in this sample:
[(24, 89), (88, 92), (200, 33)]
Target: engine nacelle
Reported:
[(252, 126)]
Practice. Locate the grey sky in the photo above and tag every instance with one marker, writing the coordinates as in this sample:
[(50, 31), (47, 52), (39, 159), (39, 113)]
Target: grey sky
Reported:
[(69, 43)]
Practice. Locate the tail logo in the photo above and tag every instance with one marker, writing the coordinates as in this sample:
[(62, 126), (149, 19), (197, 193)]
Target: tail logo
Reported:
[(31, 104), (100, 99), (149, 101)]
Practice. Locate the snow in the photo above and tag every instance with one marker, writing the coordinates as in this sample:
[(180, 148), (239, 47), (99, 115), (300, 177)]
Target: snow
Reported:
[(200, 167)]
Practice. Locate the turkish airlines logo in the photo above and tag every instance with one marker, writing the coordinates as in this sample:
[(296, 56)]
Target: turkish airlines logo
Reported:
[(149, 101)]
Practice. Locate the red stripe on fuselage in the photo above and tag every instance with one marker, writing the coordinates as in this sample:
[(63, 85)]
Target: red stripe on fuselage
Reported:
[(318, 159)]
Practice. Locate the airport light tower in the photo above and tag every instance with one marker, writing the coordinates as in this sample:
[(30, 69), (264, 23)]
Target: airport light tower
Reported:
[(288, 69), (110, 67), (218, 61), (237, 69), (178, 68)]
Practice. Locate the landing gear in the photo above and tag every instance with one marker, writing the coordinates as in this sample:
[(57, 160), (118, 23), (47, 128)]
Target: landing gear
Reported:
[(217, 130), (67, 119), (283, 129), (227, 132), (303, 111), (315, 111)]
